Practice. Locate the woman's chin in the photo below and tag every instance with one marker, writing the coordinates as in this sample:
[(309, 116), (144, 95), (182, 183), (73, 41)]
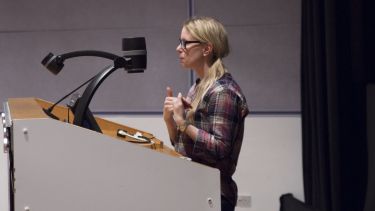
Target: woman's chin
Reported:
[(184, 65)]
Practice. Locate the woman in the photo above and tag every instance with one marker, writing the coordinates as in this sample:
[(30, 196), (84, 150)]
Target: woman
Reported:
[(208, 125)]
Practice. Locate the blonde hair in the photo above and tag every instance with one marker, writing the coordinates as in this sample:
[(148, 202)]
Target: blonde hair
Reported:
[(209, 30)]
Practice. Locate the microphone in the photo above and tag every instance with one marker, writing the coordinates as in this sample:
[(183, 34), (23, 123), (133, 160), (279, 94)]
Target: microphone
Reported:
[(49, 110)]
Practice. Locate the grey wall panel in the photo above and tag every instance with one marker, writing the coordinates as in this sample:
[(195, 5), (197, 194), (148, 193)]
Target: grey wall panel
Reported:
[(24, 44), (250, 12), (265, 49), (265, 62), (89, 14)]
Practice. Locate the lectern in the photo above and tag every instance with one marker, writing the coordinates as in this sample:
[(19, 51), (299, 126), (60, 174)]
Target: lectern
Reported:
[(54, 165)]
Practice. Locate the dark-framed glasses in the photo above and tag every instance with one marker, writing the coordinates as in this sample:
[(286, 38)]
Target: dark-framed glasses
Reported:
[(183, 43)]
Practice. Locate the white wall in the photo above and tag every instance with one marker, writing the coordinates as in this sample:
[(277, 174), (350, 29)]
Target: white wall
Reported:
[(270, 162)]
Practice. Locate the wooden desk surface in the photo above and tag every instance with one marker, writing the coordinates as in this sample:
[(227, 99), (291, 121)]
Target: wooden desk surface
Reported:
[(26, 108)]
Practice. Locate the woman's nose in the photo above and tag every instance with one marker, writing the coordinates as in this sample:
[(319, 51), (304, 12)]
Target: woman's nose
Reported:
[(178, 48)]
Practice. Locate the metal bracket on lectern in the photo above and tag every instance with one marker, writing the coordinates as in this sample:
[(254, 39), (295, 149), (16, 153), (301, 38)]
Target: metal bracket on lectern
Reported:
[(82, 113)]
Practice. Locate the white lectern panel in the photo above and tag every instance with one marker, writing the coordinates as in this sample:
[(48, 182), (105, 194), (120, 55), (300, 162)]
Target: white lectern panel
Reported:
[(63, 167)]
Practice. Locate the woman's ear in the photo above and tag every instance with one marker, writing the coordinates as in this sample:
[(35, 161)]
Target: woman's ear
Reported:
[(207, 50)]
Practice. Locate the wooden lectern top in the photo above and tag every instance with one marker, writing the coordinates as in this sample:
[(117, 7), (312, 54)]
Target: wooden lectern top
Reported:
[(32, 108)]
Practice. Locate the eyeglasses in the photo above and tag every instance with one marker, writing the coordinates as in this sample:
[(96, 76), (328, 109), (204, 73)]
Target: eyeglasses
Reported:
[(183, 43)]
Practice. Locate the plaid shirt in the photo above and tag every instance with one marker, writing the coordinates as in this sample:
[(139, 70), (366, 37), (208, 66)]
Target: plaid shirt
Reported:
[(220, 117)]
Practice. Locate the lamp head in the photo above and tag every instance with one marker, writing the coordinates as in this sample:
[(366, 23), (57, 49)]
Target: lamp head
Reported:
[(53, 63), (135, 54)]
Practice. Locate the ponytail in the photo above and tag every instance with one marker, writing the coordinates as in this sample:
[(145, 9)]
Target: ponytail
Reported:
[(215, 72)]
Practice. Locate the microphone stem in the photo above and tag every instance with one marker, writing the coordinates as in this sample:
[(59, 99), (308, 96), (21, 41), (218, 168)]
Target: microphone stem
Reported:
[(51, 108)]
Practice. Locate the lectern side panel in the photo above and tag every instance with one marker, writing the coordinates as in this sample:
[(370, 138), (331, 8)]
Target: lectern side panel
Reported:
[(4, 174), (62, 167)]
